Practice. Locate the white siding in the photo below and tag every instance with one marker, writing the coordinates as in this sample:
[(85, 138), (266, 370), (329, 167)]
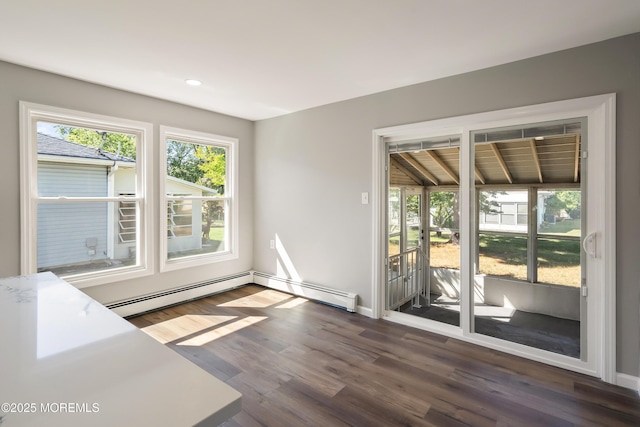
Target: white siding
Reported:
[(186, 243), (63, 179), (64, 229)]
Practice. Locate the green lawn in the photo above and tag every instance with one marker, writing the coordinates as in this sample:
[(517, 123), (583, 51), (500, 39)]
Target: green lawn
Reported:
[(558, 260), (568, 227), (506, 256), (216, 233)]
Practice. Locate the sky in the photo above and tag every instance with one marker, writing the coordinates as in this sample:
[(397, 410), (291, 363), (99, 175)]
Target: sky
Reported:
[(47, 129)]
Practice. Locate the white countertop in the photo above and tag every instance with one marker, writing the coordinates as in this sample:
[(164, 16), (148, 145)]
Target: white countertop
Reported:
[(66, 360)]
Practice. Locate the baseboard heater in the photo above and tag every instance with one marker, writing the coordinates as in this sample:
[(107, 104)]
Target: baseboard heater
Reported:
[(346, 300), (179, 295)]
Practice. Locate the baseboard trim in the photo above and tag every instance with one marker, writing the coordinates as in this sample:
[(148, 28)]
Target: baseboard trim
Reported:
[(182, 294), (628, 381), (335, 297), (365, 311)]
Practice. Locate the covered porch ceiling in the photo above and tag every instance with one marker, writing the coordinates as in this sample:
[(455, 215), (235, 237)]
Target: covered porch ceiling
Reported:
[(540, 160)]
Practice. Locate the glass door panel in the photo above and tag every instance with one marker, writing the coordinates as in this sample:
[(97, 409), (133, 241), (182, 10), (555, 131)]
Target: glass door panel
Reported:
[(444, 257), (528, 225), (423, 225), (405, 263), (559, 237)]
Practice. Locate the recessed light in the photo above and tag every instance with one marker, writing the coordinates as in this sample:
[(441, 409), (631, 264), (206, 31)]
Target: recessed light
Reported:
[(193, 82)]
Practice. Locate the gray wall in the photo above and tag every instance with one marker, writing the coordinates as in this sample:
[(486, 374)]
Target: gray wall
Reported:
[(312, 166), (25, 84)]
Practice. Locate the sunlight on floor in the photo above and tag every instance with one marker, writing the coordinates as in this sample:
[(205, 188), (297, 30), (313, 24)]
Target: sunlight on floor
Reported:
[(222, 331), (261, 299), (183, 326), (199, 329), (293, 303)]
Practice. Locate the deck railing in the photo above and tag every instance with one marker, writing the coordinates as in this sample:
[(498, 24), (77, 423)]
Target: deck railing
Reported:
[(405, 278)]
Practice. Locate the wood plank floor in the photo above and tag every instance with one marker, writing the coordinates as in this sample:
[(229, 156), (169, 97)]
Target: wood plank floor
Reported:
[(300, 363)]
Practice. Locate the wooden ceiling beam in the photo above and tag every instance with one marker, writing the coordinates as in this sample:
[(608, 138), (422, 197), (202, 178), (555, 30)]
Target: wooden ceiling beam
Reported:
[(443, 165), (418, 166), (479, 176), (576, 169), (503, 165), (536, 160), (406, 171)]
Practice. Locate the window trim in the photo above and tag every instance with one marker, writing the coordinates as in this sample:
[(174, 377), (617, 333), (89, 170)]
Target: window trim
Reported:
[(230, 197), (30, 114)]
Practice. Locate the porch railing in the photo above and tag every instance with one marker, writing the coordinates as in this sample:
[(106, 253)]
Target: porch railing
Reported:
[(405, 278)]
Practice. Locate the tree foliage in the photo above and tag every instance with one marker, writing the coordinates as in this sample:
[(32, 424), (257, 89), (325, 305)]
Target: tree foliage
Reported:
[(182, 162), (442, 208), (200, 164), (488, 202), (568, 201), (213, 166), (110, 142)]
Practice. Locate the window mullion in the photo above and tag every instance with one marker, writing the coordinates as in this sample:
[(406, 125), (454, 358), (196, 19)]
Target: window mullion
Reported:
[(63, 199), (532, 241)]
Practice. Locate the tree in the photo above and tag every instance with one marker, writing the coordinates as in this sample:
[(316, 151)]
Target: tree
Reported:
[(182, 162), (109, 142), (444, 208), (442, 205), (488, 202), (204, 165), (213, 165), (568, 201)]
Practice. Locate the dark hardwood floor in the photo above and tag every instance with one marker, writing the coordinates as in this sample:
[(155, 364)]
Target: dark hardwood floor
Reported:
[(301, 363)]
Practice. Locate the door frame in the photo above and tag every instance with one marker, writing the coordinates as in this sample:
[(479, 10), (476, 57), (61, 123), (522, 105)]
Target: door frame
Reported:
[(601, 129)]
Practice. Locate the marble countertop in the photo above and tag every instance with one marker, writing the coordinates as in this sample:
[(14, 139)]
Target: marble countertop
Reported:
[(66, 360)]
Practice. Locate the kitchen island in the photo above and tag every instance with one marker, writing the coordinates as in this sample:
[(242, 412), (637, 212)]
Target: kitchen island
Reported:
[(66, 360)]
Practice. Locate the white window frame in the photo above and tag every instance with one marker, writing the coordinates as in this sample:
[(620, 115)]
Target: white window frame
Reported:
[(600, 112), (30, 114), (230, 197)]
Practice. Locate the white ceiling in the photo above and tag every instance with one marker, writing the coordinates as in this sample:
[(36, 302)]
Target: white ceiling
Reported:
[(263, 58)]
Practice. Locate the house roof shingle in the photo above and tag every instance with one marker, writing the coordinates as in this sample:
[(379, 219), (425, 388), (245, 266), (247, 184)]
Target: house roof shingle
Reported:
[(53, 146)]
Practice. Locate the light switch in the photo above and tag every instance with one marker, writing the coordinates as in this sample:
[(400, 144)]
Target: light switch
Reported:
[(365, 198)]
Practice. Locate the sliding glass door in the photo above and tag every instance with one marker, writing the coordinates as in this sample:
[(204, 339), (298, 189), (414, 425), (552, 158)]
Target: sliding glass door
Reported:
[(529, 222)]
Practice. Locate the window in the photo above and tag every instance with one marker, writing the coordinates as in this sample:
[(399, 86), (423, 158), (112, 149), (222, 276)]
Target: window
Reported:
[(83, 180), (503, 245), (199, 191), (559, 235)]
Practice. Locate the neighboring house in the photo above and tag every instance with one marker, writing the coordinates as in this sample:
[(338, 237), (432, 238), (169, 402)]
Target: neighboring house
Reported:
[(510, 211), (76, 233)]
